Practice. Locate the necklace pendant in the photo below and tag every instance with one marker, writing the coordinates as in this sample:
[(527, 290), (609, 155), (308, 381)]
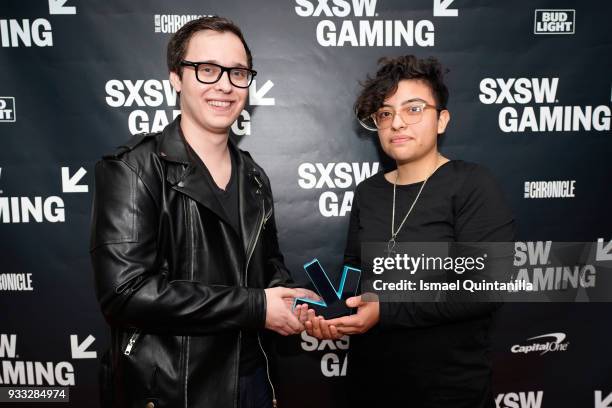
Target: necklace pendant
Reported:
[(390, 247)]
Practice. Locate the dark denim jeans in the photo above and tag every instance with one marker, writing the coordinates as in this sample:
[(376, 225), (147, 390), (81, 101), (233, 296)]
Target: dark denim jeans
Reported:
[(255, 390)]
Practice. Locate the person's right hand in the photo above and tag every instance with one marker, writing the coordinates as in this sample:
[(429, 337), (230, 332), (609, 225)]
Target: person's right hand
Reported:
[(279, 317)]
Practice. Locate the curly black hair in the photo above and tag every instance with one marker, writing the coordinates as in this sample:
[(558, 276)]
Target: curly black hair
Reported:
[(390, 72)]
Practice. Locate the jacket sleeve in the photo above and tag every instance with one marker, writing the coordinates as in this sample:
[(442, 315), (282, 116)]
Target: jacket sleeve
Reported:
[(481, 216), (131, 279)]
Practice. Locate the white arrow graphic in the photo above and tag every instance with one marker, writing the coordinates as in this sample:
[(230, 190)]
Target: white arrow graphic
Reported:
[(80, 350), (71, 184), (441, 9), (604, 253), (57, 7), (599, 403), (257, 96)]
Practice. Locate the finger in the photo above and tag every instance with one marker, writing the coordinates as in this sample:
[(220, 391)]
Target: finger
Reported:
[(309, 328), (281, 331), (343, 321), (369, 297), (354, 301), (334, 332), (324, 328), (316, 327), (347, 330), (302, 313), (288, 303), (297, 312), (293, 324), (305, 313)]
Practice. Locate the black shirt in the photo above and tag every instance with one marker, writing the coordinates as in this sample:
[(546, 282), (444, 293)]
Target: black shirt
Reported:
[(428, 354), (250, 355)]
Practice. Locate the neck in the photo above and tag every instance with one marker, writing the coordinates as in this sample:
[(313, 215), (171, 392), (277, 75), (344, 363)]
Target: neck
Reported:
[(418, 170), (210, 146)]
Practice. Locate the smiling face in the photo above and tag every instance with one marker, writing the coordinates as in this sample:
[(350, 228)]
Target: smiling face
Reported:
[(211, 107), (409, 142)]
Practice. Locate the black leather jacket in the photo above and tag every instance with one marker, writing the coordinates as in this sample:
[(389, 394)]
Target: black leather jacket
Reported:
[(174, 280)]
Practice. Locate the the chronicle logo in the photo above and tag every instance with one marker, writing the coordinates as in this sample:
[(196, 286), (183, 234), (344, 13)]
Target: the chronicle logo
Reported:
[(545, 343), (7, 109), (359, 27), (16, 282), (554, 21), (170, 23), (533, 106), (550, 189)]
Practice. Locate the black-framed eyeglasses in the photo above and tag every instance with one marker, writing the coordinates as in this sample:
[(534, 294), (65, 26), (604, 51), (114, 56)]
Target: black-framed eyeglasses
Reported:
[(209, 73), (410, 113)]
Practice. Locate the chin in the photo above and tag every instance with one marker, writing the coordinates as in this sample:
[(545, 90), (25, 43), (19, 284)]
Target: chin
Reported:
[(223, 120), (401, 155)]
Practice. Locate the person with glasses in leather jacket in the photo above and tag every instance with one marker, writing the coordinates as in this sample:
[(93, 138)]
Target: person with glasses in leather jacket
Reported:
[(188, 271)]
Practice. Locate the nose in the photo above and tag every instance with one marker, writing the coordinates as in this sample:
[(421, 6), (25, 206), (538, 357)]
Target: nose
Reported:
[(397, 122), (224, 84)]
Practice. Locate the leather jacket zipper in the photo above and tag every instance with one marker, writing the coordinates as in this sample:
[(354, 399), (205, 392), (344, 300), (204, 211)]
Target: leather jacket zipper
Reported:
[(246, 272), (252, 249), (131, 342), (191, 269)]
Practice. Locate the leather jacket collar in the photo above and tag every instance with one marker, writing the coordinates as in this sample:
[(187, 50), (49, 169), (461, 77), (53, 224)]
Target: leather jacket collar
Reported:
[(186, 177)]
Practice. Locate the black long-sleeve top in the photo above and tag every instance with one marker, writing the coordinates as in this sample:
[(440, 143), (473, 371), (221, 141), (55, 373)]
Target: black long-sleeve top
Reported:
[(436, 352)]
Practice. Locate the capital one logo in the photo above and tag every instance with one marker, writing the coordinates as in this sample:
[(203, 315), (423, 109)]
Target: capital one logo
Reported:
[(544, 343)]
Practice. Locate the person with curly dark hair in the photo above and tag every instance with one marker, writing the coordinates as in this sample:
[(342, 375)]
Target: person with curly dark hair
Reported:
[(417, 354)]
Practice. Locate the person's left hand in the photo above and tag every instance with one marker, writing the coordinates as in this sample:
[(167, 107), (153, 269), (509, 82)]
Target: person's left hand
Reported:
[(368, 314)]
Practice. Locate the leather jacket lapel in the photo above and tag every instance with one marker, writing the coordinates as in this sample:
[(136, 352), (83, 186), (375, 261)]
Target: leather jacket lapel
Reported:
[(188, 179), (250, 202), (183, 175)]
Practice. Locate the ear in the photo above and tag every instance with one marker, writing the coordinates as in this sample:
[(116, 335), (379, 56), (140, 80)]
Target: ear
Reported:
[(175, 80), (443, 119)]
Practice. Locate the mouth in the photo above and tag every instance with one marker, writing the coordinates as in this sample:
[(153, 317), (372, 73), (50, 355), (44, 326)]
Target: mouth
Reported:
[(219, 104), (401, 139)]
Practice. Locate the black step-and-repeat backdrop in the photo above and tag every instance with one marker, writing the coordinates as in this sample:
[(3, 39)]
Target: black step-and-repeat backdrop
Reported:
[(531, 86)]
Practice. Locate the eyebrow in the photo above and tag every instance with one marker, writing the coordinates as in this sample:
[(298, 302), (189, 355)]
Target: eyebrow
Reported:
[(235, 65), (408, 101)]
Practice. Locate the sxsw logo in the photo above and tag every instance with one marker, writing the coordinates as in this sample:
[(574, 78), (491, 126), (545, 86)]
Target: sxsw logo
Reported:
[(28, 32), (554, 21), (530, 399), (7, 109)]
